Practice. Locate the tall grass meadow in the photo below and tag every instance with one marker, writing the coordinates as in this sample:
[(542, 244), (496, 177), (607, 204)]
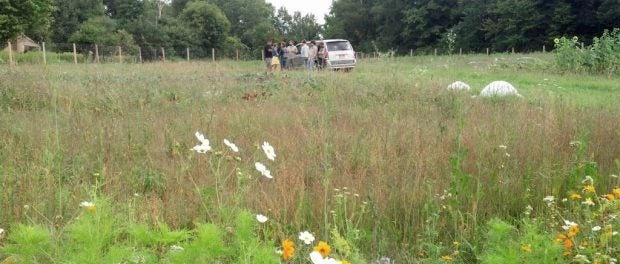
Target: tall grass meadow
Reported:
[(218, 163)]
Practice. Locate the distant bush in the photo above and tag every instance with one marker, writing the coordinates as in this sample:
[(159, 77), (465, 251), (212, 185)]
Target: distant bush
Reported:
[(602, 57)]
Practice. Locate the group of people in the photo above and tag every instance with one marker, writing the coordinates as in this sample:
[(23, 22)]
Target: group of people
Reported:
[(282, 56)]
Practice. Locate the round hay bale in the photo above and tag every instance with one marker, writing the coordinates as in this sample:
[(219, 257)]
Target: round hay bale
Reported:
[(459, 86), (499, 88)]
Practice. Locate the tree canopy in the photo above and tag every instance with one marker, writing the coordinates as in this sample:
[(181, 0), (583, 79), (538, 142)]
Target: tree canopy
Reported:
[(31, 17), (370, 25), (476, 24)]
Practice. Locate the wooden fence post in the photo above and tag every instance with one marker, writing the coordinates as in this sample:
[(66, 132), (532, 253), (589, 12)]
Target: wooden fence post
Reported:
[(544, 49), (140, 54), (187, 53), (460, 51), (10, 54), (237, 52), (120, 54), (44, 55), (435, 51), (513, 50), (163, 54), (411, 52), (262, 55), (96, 53), (74, 54), (582, 45), (487, 51), (213, 54)]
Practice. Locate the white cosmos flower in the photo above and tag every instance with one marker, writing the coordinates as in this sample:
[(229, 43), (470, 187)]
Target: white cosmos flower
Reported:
[(231, 145), (86, 204), (588, 179), (306, 237), (503, 147), (204, 146), (176, 248), (269, 151), (549, 199), (581, 259), (261, 218), (1, 232), (588, 201), (596, 229), (568, 224), (91, 207), (263, 170), (201, 138), (316, 258)]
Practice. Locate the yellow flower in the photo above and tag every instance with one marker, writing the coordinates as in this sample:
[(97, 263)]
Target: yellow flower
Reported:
[(566, 253), (323, 248), (616, 192), (447, 258), (610, 197), (560, 238), (573, 231), (345, 262), (288, 249), (575, 196), (589, 188), (456, 243), (568, 243), (527, 248)]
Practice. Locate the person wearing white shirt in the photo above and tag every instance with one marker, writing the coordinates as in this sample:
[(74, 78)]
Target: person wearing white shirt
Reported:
[(305, 52)]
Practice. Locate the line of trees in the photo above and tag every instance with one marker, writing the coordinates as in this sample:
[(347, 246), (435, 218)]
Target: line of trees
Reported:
[(468, 24), (152, 24), (398, 25)]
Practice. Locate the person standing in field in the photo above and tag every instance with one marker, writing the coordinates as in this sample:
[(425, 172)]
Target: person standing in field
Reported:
[(321, 55), (312, 55), (268, 53), (305, 52), (292, 54), (275, 58), (283, 50)]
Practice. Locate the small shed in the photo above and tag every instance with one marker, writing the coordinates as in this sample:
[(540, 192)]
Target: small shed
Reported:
[(22, 44)]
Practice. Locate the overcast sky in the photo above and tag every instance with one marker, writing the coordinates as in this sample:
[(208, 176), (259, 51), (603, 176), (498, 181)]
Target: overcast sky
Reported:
[(317, 7)]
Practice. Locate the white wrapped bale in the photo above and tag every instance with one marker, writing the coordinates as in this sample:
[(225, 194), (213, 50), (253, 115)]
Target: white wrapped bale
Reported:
[(459, 86), (499, 88)]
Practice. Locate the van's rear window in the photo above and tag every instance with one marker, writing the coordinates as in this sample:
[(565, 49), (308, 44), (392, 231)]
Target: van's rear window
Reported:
[(338, 45)]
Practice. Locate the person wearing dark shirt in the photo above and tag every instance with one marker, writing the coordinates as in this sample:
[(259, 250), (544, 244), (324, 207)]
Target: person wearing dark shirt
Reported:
[(268, 53), (281, 51)]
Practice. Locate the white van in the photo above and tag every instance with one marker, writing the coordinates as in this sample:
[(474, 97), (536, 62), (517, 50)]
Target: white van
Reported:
[(339, 54)]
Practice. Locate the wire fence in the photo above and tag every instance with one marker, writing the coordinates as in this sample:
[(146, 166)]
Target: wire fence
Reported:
[(55, 53)]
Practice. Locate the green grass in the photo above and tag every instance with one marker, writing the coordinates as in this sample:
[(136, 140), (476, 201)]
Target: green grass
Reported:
[(422, 166)]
